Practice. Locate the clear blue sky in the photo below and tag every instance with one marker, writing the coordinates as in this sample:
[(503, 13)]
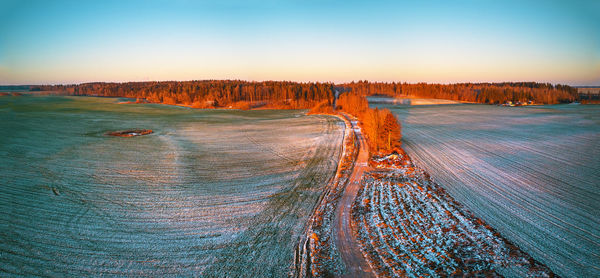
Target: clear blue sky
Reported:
[(430, 41)]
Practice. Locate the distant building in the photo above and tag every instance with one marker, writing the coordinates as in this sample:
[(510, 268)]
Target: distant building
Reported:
[(589, 93), (589, 90)]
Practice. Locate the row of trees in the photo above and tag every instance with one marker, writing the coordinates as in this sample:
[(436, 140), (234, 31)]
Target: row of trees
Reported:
[(492, 93), (382, 130), (210, 93), (284, 94)]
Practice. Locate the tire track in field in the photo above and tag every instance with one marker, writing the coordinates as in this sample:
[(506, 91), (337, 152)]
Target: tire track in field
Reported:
[(346, 242)]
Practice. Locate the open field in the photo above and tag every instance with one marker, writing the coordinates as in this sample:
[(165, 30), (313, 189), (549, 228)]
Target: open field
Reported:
[(532, 173), (208, 193), (411, 101)]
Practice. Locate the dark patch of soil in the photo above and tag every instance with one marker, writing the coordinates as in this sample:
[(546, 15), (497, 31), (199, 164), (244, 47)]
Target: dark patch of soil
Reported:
[(130, 132)]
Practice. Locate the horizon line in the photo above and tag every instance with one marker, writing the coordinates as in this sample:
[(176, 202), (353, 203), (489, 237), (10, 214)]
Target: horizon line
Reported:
[(295, 81)]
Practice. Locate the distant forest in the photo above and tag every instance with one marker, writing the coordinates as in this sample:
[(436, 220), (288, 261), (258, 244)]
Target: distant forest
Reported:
[(211, 93), (491, 93), (284, 94)]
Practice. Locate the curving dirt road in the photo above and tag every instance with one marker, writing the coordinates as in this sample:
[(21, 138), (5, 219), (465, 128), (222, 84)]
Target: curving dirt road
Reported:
[(345, 240)]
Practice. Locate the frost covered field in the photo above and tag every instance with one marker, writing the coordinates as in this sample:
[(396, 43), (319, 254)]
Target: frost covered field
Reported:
[(532, 173), (410, 227), (209, 192)]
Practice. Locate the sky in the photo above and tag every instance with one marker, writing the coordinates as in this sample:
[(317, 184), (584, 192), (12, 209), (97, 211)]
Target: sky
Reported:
[(64, 42)]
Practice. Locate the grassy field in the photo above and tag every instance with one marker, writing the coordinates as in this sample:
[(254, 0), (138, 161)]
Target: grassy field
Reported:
[(209, 193), (530, 172)]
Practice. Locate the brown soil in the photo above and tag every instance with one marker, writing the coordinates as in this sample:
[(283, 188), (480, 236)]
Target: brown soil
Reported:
[(408, 226)]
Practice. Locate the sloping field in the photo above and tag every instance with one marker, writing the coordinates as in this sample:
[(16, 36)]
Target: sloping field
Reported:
[(209, 193), (532, 173)]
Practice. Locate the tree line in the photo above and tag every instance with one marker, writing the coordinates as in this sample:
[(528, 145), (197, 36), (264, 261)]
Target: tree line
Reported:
[(210, 93), (286, 94), (491, 93)]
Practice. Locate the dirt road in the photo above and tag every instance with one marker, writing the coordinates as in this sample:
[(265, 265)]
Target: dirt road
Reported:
[(347, 244)]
